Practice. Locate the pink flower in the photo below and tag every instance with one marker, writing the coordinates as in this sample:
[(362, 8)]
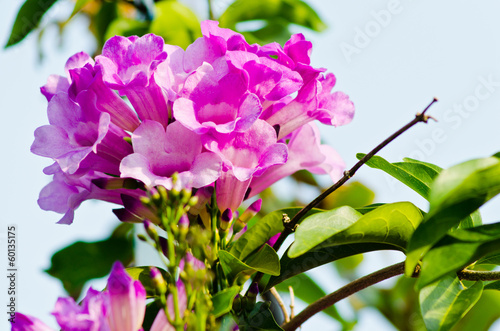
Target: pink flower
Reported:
[(159, 153)]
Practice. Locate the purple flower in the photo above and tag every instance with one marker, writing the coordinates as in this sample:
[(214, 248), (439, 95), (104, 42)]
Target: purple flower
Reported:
[(245, 155), (80, 137), (128, 65), (121, 307), (56, 83), (159, 154), (83, 76), (305, 151), (210, 100), (89, 316), (126, 301), (66, 192), (28, 323)]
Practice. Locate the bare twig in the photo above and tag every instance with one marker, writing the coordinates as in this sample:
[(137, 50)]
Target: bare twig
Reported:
[(292, 302), (344, 292), (292, 224), (281, 304)]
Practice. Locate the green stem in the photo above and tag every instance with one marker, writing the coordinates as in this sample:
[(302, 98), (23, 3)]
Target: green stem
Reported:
[(210, 12)]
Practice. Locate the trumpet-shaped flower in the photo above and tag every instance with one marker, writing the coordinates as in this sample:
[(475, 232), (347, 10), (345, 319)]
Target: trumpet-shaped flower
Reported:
[(305, 151), (121, 307), (128, 65), (244, 155), (158, 154)]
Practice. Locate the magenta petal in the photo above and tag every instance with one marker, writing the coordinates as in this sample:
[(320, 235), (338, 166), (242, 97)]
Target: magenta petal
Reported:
[(28, 323), (77, 61), (127, 300), (55, 84), (230, 191)]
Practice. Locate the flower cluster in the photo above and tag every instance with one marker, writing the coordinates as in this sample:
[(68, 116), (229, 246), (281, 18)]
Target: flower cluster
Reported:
[(221, 113), (121, 307)]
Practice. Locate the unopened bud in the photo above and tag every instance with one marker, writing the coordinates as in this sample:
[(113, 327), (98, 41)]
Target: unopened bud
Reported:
[(226, 219), (251, 211), (142, 237), (163, 192), (184, 222), (150, 230), (157, 280)]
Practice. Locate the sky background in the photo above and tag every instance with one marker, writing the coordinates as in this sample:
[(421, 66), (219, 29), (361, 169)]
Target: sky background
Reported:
[(390, 57)]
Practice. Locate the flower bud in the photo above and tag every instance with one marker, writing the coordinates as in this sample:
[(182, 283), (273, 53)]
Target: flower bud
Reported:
[(157, 280), (251, 211), (150, 230), (226, 219)]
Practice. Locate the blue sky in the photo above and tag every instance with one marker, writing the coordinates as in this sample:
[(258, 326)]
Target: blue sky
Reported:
[(391, 57)]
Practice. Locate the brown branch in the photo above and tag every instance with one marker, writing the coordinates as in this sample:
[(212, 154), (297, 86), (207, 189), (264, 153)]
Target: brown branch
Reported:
[(291, 225), (476, 275), (342, 293)]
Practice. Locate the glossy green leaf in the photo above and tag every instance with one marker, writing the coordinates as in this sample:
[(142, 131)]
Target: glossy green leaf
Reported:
[(446, 301), (457, 250), (308, 291), (223, 301), (415, 174), (28, 18), (126, 27), (493, 259), (143, 274), (259, 318), (292, 11), (176, 23), (484, 313), (262, 231), (320, 256), (316, 229), (264, 260), (493, 286), (455, 194), (418, 176), (389, 224), (82, 261)]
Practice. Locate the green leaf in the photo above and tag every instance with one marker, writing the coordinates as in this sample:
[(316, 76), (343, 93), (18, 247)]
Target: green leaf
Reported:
[(27, 19), (455, 194), (83, 261), (262, 231), (415, 174), (319, 227), (223, 301), (126, 27), (143, 274), (458, 250), (308, 291), (319, 256), (418, 176), (291, 11), (259, 318), (388, 224), (264, 260), (176, 23), (484, 313), (445, 302), (493, 286)]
